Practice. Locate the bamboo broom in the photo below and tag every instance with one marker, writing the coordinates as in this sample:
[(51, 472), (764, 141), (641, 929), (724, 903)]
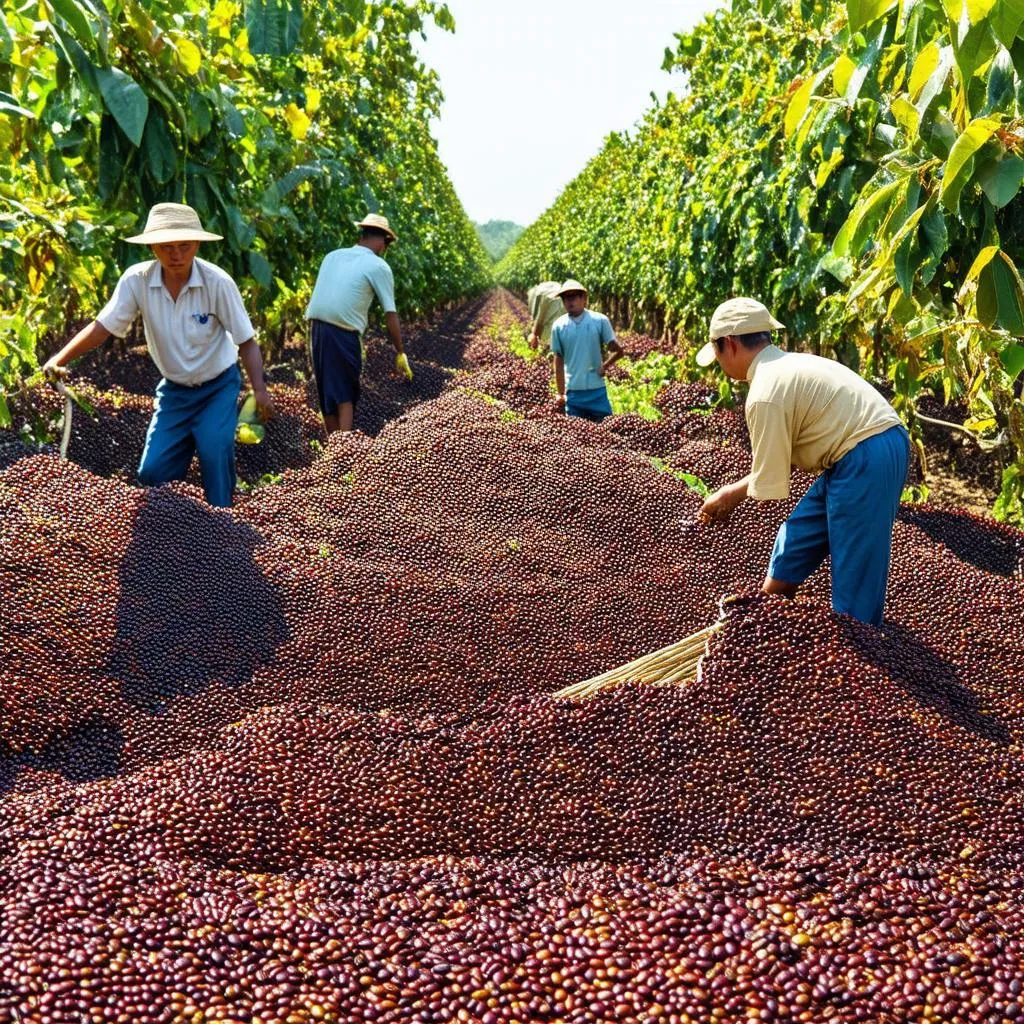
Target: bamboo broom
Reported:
[(670, 666)]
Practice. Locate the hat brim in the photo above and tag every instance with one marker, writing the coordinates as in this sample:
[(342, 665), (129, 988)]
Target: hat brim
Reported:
[(571, 291), (707, 355), (173, 235), (387, 231)]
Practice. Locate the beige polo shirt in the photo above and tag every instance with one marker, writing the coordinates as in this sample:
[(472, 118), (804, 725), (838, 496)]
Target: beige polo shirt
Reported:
[(807, 412), (545, 307), (191, 339)]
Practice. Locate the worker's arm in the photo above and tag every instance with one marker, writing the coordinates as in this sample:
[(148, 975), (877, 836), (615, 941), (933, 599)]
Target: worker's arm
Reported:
[(89, 337), (616, 353), (252, 360), (719, 506), (560, 380), (395, 334)]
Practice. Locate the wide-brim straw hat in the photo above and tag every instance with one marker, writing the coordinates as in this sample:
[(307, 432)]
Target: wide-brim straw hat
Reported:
[(571, 286), (173, 222), (735, 317), (375, 220)]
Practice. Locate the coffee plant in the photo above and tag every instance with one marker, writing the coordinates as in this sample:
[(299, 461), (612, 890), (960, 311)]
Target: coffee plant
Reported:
[(855, 165), (279, 123)]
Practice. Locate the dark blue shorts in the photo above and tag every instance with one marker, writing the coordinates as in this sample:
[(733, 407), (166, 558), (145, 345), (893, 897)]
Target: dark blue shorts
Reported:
[(591, 404), (337, 363)]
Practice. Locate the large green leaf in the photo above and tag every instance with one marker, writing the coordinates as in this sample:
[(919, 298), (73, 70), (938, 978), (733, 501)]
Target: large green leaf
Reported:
[(1012, 359), (958, 167), (260, 268), (1000, 296), (273, 25), (1001, 83), (1001, 178), (125, 100), (975, 49), (160, 154), (863, 12), (1007, 19), (74, 14)]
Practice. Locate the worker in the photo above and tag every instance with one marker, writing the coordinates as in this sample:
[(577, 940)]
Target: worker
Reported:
[(545, 308), (820, 416), (578, 341), (338, 311), (196, 328)]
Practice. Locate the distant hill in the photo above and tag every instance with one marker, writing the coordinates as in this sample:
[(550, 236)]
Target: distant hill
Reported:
[(498, 236)]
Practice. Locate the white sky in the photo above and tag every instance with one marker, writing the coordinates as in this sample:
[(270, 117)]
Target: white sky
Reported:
[(532, 87)]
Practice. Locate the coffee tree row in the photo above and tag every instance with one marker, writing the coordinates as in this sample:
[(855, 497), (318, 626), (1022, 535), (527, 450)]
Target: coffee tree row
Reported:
[(279, 123), (856, 165)]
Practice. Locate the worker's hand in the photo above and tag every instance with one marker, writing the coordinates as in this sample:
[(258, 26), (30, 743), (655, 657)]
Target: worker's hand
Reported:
[(402, 366), (264, 404), (53, 370), (560, 402), (534, 340), (719, 506)]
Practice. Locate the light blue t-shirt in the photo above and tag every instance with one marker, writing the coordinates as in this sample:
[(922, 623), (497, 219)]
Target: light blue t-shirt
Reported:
[(579, 342), (345, 287)]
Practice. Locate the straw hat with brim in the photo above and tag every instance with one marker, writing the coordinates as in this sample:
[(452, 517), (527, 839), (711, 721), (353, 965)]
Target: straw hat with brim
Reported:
[(735, 317), (571, 286), (173, 222), (375, 220)]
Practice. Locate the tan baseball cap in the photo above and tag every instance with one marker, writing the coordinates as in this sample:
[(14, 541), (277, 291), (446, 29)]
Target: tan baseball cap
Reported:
[(571, 286), (375, 220), (173, 222), (737, 316)]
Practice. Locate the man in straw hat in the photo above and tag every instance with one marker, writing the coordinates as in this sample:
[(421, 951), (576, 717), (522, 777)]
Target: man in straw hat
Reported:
[(346, 283), (196, 328), (578, 340), (819, 416)]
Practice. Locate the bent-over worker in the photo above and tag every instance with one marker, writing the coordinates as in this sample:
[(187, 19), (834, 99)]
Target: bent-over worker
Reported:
[(196, 328), (578, 340), (338, 312), (545, 308), (820, 416)]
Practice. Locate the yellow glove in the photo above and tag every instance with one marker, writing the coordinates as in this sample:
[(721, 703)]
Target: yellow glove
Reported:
[(402, 365)]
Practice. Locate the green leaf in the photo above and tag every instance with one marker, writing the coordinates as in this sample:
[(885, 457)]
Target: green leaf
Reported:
[(6, 39), (125, 100), (1001, 83), (1012, 359), (75, 17), (273, 26), (695, 484), (976, 48), (260, 268), (869, 212), (1007, 19), (863, 12), (1000, 298), (1001, 178), (5, 413), (161, 156), (958, 167)]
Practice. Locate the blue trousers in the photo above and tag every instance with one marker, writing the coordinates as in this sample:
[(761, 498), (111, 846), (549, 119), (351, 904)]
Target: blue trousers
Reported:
[(848, 513), (591, 404), (188, 421)]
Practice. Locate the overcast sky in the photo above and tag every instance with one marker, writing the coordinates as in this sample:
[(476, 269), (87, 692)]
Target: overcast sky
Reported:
[(532, 87)]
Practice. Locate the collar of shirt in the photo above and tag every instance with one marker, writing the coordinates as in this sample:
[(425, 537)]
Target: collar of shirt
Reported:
[(156, 278), (766, 355), (578, 319)]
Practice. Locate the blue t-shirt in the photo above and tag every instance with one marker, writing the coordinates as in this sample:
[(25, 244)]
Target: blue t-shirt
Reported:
[(580, 342)]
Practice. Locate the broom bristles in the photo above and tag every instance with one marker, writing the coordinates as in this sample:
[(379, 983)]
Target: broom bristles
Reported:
[(671, 665)]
